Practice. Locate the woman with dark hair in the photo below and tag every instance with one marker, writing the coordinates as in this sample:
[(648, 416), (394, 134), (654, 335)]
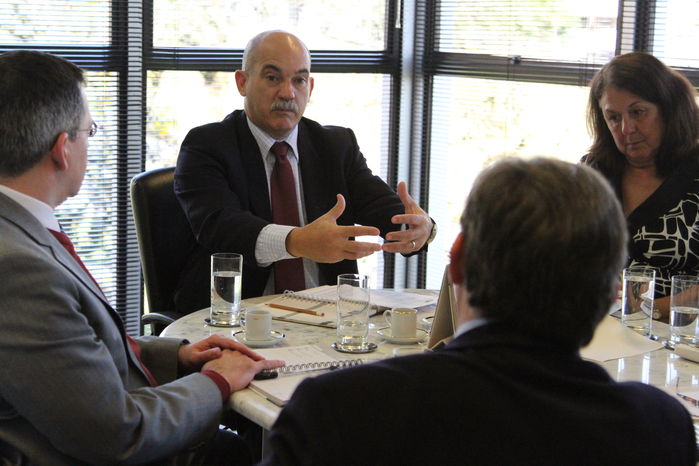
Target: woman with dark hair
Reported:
[(644, 121)]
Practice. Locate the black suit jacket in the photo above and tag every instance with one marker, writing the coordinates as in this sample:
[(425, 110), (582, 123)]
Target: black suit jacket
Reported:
[(492, 397), (221, 184)]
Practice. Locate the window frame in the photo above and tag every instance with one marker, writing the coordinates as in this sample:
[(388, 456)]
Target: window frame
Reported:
[(117, 57), (635, 27)]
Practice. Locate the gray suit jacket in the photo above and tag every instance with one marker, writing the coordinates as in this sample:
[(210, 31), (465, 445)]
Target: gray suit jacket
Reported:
[(71, 390)]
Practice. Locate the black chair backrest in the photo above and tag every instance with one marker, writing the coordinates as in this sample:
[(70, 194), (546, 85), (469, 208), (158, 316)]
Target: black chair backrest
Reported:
[(165, 239)]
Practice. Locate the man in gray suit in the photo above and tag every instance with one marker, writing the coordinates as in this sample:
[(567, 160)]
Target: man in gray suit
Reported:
[(74, 387)]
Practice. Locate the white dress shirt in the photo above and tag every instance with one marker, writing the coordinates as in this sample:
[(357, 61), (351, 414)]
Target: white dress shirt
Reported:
[(270, 246), (42, 211), (470, 325)]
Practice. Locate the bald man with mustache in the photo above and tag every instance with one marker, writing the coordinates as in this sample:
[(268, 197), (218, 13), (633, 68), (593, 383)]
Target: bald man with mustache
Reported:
[(226, 181)]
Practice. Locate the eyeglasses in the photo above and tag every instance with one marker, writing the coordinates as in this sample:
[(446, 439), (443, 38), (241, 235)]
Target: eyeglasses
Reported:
[(90, 131)]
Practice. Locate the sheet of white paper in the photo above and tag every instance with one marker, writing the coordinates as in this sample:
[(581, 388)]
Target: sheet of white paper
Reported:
[(613, 341), (378, 297), (392, 298)]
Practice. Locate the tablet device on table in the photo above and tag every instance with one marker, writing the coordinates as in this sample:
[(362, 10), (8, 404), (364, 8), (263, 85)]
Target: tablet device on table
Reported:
[(444, 322)]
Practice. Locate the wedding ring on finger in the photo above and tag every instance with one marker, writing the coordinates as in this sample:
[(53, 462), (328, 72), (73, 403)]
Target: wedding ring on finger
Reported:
[(412, 244)]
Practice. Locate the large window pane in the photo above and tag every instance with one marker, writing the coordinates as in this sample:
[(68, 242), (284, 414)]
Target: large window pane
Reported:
[(357, 101), (63, 22), (546, 29), (90, 218), (321, 24), (478, 121), (677, 32), (94, 35)]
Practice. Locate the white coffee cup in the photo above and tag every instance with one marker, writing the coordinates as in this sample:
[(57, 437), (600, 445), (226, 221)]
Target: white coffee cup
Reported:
[(258, 324), (403, 322)]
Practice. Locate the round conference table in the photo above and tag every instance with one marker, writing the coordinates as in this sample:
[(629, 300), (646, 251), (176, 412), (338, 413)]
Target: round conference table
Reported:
[(255, 407), (661, 368)]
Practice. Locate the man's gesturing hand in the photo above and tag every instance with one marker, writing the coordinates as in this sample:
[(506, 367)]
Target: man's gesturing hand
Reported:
[(323, 240), (418, 222)]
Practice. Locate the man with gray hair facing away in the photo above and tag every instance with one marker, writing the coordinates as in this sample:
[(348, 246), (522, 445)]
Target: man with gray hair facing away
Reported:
[(535, 268)]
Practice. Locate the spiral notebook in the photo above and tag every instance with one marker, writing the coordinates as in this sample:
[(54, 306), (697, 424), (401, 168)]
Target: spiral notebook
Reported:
[(319, 304), (301, 362), (320, 301)]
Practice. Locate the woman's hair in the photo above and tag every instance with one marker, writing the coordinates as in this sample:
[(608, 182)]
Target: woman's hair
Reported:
[(648, 78)]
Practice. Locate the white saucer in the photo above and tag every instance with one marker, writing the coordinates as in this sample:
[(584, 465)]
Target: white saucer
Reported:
[(274, 338), (385, 333)]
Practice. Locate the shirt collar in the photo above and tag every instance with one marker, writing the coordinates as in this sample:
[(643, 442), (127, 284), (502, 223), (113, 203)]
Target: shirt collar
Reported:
[(470, 325), (265, 141), (42, 211)]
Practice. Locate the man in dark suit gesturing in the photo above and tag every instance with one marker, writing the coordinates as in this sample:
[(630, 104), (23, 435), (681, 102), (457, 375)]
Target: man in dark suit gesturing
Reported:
[(535, 267), (228, 181)]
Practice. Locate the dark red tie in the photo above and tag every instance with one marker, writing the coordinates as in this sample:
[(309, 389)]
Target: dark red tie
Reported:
[(68, 244), (288, 273)]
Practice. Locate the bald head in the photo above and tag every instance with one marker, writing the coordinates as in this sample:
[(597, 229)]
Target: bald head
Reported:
[(275, 81), (272, 39)]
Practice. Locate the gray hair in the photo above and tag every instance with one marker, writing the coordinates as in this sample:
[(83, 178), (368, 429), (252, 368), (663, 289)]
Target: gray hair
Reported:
[(40, 98), (544, 242)]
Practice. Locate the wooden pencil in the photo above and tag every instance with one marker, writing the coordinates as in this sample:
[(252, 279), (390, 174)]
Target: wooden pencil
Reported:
[(295, 309)]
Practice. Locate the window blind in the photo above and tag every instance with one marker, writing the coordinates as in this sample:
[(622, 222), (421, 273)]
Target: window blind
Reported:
[(504, 78), (97, 36), (669, 31)]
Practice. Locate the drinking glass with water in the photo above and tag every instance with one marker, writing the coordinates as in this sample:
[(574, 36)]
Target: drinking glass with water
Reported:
[(353, 305), (638, 297), (684, 309), (226, 281)]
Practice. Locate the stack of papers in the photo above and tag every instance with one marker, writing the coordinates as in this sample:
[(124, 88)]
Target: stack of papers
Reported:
[(322, 302)]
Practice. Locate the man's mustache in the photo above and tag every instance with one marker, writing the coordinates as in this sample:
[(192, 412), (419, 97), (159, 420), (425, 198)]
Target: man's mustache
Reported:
[(287, 105)]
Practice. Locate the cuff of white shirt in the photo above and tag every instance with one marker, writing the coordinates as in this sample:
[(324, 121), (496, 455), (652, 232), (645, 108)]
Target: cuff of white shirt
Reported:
[(270, 246)]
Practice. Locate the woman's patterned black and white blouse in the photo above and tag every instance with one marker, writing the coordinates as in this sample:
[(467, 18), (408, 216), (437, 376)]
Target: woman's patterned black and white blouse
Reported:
[(664, 229)]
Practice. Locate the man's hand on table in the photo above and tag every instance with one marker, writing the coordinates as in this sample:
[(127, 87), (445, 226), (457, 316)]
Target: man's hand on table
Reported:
[(238, 369), (234, 361)]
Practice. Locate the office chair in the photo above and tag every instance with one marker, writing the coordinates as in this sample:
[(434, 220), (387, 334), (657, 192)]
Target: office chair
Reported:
[(165, 241)]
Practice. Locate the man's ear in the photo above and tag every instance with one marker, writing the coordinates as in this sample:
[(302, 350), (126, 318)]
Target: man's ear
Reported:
[(58, 152), (241, 78), (311, 83), (456, 261)]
